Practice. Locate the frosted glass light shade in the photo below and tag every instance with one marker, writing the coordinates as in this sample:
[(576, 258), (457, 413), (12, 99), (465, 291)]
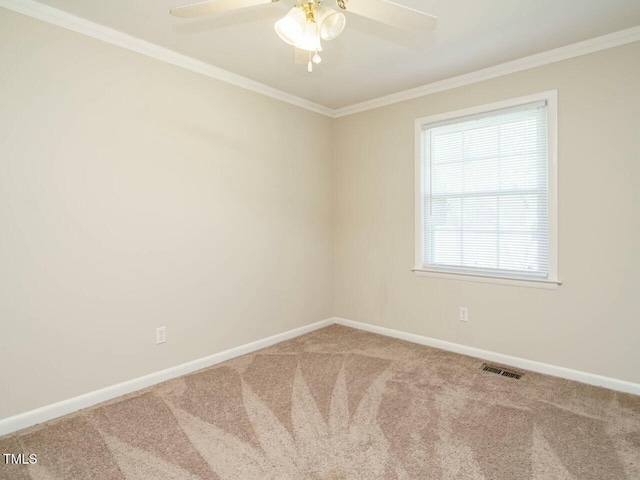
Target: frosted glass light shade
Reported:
[(307, 34), (331, 23), (308, 39), (290, 27)]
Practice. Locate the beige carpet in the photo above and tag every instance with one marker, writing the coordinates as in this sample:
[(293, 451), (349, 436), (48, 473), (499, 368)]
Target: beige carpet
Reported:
[(344, 404)]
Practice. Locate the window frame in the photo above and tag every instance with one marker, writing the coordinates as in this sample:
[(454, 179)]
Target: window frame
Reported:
[(552, 281)]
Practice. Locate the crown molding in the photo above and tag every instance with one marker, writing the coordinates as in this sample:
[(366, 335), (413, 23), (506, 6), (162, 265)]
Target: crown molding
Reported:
[(77, 24), (80, 25), (604, 42)]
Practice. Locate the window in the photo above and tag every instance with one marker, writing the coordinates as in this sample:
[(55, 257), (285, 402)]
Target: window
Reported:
[(486, 193)]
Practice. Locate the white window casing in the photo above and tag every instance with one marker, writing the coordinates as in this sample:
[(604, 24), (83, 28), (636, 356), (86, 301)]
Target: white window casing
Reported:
[(487, 193)]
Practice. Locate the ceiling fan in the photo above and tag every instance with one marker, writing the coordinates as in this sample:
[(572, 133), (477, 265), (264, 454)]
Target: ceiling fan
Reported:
[(310, 22)]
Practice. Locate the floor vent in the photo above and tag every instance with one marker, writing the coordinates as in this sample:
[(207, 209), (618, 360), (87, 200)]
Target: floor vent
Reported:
[(500, 371)]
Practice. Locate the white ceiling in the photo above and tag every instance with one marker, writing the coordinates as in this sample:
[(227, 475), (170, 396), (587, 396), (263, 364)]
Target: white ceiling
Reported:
[(368, 60)]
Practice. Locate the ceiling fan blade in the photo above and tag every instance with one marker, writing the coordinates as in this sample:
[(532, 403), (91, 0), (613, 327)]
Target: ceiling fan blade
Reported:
[(212, 7), (394, 14)]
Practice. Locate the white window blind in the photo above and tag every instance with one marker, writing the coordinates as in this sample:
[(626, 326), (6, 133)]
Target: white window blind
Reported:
[(485, 190)]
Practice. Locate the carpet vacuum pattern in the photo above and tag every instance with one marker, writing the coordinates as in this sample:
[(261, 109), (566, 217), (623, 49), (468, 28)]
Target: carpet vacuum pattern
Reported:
[(342, 404)]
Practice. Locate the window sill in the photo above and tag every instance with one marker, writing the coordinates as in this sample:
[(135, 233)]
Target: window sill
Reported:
[(467, 277)]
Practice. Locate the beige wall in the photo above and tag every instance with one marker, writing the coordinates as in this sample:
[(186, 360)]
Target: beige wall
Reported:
[(135, 194), (592, 322)]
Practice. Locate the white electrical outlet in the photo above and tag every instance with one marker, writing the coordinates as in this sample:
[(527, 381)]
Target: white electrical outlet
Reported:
[(161, 335), (464, 314)]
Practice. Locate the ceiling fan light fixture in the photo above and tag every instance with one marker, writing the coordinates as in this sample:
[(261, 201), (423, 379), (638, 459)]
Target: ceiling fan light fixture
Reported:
[(307, 24), (290, 27), (309, 39), (331, 23)]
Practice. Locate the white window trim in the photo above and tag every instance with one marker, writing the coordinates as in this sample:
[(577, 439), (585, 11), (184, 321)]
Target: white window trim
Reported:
[(552, 282)]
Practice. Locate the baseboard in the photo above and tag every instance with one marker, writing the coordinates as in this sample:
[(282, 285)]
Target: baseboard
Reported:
[(65, 407), (531, 365)]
